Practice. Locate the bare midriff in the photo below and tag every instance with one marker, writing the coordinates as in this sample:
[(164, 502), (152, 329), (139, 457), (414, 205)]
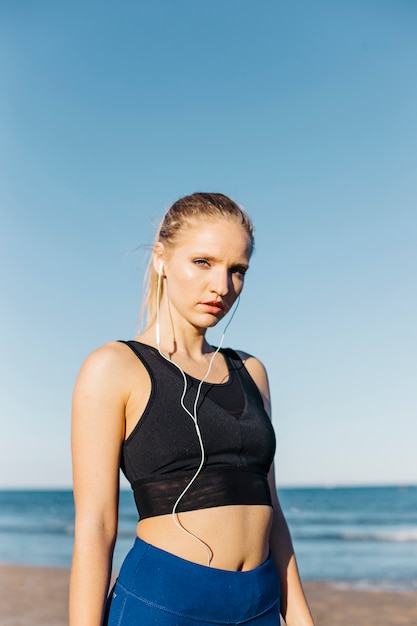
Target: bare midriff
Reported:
[(237, 536)]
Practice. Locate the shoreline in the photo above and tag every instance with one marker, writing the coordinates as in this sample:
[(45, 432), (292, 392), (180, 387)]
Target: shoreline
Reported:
[(38, 596)]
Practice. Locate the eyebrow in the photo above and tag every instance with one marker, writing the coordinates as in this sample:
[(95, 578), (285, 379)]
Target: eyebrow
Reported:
[(243, 266)]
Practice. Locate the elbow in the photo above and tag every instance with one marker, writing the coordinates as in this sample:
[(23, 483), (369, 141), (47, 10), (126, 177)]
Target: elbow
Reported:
[(96, 531)]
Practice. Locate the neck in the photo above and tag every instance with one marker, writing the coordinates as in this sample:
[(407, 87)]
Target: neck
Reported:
[(190, 342)]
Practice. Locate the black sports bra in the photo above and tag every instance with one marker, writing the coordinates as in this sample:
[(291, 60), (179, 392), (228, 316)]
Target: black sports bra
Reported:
[(162, 454)]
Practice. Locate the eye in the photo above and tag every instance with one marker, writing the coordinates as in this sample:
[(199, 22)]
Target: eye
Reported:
[(201, 262), (239, 269)]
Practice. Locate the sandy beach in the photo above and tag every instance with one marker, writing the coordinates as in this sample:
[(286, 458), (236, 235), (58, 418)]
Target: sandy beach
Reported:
[(38, 596)]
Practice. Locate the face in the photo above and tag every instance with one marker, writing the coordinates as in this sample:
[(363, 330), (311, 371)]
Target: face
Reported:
[(204, 271)]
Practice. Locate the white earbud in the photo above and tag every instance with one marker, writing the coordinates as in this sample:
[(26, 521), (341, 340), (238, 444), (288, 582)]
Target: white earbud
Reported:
[(161, 267)]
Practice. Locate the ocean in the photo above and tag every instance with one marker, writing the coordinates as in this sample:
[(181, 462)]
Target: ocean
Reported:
[(361, 537)]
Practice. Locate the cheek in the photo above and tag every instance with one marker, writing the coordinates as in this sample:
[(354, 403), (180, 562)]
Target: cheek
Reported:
[(190, 272), (184, 278), (238, 284)]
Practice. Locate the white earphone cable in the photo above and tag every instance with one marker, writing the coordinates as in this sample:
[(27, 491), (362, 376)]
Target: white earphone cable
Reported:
[(193, 415)]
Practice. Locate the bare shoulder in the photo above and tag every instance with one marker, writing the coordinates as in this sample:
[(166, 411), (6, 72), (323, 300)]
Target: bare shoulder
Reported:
[(254, 366), (107, 357), (111, 365)]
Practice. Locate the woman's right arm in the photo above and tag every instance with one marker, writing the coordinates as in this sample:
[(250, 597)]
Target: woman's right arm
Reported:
[(98, 424)]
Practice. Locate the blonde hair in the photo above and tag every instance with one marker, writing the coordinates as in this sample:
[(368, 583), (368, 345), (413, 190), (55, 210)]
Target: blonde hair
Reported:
[(180, 216)]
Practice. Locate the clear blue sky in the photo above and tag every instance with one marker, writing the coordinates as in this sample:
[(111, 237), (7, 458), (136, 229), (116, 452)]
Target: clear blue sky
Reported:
[(305, 113)]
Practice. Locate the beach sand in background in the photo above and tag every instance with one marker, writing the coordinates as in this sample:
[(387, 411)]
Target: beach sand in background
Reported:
[(38, 596)]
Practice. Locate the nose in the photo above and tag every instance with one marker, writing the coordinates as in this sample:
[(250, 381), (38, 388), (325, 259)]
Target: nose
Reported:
[(221, 282)]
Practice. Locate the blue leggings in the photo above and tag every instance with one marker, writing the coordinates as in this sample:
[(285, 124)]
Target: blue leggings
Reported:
[(156, 587)]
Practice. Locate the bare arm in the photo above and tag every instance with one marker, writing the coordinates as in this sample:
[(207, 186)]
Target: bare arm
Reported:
[(97, 433), (294, 608)]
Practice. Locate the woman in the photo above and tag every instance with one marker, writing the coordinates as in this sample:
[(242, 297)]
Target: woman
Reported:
[(188, 424)]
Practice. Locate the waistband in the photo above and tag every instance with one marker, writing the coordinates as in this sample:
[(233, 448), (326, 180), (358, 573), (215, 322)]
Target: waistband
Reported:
[(196, 591)]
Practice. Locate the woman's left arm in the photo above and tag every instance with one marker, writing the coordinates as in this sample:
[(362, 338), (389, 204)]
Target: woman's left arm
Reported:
[(294, 607)]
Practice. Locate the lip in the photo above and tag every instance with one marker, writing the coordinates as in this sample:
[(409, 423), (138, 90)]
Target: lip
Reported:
[(213, 306)]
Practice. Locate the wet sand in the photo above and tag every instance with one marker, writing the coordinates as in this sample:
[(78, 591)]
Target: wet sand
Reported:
[(38, 596)]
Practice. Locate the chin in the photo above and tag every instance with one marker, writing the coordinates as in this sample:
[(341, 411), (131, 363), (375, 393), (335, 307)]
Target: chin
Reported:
[(214, 321), (210, 322)]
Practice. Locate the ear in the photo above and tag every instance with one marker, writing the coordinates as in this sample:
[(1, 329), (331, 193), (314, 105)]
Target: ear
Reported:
[(158, 256)]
